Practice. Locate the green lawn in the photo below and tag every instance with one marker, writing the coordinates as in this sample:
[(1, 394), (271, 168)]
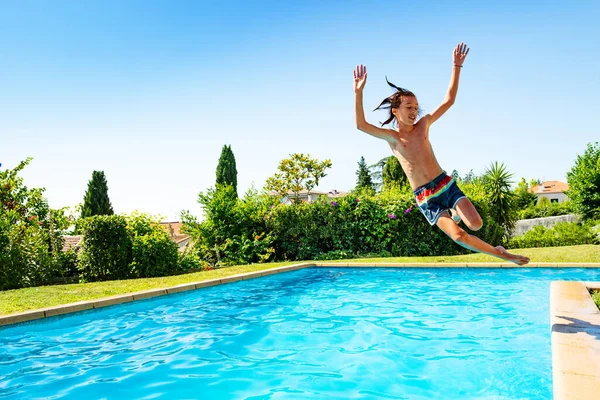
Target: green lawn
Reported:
[(12, 301)]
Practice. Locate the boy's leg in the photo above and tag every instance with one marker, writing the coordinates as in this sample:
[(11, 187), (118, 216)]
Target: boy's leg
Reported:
[(468, 213), (461, 237)]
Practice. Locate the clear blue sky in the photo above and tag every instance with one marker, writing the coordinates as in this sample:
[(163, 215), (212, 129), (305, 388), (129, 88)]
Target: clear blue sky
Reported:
[(150, 91)]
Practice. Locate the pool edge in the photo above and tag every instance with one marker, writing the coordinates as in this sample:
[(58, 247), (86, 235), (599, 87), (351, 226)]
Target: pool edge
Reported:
[(69, 308), (31, 315), (575, 340)]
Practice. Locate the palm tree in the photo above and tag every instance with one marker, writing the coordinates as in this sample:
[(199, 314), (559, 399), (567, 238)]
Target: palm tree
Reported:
[(501, 198)]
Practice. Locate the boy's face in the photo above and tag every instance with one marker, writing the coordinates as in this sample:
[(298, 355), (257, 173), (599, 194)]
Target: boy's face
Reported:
[(408, 111)]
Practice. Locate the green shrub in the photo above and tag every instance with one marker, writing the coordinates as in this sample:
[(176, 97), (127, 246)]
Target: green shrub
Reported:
[(30, 233), (561, 234), (543, 202), (260, 228), (190, 261), (106, 248), (550, 210), (153, 253), (234, 230)]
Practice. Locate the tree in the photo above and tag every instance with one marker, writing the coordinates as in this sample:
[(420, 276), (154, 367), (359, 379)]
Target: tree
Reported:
[(393, 174), (226, 169), (297, 173), (497, 181), (364, 176), (543, 202), (30, 233), (584, 183), (377, 173), (523, 198), (96, 201)]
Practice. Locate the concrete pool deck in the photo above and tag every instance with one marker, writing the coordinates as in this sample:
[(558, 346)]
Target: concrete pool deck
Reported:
[(575, 322), (574, 317)]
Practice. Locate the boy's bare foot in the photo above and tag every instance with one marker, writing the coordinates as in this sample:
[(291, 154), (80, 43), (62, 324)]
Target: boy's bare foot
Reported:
[(517, 259)]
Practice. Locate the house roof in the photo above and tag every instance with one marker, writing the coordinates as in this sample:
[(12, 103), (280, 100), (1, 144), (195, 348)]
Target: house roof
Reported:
[(550, 187), (174, 230)]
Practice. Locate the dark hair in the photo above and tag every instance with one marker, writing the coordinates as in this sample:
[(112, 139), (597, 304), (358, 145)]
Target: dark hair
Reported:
[(394, 101)]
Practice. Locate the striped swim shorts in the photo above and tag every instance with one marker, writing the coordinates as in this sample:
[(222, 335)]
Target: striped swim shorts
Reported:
[(437, 196)]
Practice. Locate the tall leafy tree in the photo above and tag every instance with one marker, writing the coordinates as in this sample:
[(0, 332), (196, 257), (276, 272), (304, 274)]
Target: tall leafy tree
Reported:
[(297, 173), (363, 174), (96, 201), (584, 182), (497, 181), (226, 169), (377, 173), (393, 175), (523, 198)]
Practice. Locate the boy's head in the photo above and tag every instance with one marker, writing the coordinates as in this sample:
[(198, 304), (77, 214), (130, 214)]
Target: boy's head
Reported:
[(403, 106)]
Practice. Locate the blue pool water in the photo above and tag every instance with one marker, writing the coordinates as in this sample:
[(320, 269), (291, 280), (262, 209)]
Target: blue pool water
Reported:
[(313, 333)]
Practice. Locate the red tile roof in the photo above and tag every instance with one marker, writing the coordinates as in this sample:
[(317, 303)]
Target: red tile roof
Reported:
[(550, 187)]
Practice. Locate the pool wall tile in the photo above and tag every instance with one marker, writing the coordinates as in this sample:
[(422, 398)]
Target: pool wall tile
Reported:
[(68, 308), (575, 338)]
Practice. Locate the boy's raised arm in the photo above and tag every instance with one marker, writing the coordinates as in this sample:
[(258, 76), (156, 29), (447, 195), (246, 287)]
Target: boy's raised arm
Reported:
[(460, 53), (360, 79)]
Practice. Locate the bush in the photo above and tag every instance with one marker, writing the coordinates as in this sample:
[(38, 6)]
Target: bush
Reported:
[(552, 210), (30, 234), (189, 261), (106, 248), (561, 234), (153, 253), (584, 182), (234, 231)]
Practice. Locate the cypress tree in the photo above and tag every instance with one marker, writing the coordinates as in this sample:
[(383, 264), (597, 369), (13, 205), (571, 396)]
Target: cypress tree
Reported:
[(364, 176), (226, 169), (96, 201)]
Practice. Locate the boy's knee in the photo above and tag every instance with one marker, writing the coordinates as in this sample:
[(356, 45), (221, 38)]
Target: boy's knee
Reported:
[(459, 236), (476, 224)]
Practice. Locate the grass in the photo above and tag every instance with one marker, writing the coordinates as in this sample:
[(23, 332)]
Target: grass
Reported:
[(13, 301), (596, 297)]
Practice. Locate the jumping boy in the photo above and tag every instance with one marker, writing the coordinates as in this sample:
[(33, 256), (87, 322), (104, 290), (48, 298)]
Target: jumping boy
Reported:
[(435, 192)]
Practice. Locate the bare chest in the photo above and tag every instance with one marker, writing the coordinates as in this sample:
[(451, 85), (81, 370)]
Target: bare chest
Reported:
[(413, 143)]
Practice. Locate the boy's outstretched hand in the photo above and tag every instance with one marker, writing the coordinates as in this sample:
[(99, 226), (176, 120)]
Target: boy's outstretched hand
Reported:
[(360, 78), (460, 53)]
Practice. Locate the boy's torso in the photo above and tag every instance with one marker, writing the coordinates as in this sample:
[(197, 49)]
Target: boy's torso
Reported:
[(415, 154)]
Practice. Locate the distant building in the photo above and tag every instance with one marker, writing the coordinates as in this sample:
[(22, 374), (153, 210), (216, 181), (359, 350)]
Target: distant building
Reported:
[(553, 190), (174, 231), (306, 197)]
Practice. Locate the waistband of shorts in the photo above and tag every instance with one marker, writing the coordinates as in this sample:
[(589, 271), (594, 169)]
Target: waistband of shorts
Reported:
[(432, 183)]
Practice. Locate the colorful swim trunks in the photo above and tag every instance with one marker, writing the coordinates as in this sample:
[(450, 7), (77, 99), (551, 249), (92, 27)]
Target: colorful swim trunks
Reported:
[(437, 196)]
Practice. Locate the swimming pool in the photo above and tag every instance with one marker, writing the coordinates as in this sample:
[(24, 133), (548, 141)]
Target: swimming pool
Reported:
[(417, 333)]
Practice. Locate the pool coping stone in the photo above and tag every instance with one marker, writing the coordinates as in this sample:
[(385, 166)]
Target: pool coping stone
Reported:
[(575, 340)]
